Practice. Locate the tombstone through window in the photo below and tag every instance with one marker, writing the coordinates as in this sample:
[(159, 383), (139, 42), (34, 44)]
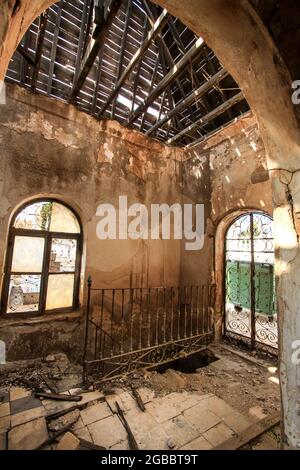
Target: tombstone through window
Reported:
[(43, 260)]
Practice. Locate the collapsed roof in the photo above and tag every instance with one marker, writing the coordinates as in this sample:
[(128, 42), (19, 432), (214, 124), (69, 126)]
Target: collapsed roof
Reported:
[(131, 61)]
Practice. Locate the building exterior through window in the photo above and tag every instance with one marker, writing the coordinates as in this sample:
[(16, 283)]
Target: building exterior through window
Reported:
[(43, 260), (250, 304)]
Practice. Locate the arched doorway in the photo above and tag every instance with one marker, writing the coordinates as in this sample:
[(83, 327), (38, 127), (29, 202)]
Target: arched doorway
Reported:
[(250, 315)]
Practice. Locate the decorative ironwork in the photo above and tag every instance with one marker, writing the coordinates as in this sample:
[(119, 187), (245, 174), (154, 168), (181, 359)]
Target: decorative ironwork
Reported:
[(250, 306), (127, 329)]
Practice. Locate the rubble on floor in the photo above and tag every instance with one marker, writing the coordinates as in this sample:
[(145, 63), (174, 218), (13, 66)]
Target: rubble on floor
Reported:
[(188, 411)]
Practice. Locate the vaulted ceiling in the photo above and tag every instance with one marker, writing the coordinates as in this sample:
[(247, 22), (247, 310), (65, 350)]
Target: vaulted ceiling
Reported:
[(131, 61)]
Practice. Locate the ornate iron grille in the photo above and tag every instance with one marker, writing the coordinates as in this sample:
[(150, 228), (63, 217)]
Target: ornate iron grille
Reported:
[(128, 329), (250, 304)]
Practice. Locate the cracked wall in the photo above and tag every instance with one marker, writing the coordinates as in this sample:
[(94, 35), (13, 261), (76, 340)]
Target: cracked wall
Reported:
[(229, 174), (51, 149), (243, 44)]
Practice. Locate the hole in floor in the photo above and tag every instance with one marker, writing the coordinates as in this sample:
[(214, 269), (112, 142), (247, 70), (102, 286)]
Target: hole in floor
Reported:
[(189, 364)]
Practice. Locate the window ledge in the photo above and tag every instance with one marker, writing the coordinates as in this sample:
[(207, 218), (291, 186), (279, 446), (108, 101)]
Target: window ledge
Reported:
[(6, 322)]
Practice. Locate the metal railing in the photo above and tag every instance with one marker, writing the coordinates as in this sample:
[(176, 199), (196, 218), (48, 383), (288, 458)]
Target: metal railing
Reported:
[(132, 328)]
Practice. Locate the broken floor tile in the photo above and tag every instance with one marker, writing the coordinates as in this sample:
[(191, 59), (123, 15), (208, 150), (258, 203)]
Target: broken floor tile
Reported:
[(91, 396), (4, 423), (4, 409), (3, 441), (4, 396), (125, 400), (218, 434), (197, 444), (83, 433), (140, 421), (163, 409), (256, 413), (18, 392), (183, 401), (24, 404), (53, 406), (146, 394), (219, 407), (237, 422), (180, 431), (28, 415), (120, 446), (28, 436), (95, 413), (153, 439), (202, 418), (79, 424), (68, 442), (107, 432), (64, 421)]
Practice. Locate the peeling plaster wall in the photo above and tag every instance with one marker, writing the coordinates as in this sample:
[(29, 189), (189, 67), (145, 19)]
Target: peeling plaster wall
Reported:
[(50, 149), (196, 265), (229, 174), (240, 181), (239, 172)]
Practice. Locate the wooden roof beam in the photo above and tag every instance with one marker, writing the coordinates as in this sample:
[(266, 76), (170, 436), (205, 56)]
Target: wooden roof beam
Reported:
[(39, 49), (93, 50), (211, 115), (123, 47), (161, 44), (170, 77), (159, 24), (26, 55), (193, 97), (54, 47)]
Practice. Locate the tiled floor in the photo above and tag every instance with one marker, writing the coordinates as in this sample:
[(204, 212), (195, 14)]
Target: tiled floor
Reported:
[(176, 421)]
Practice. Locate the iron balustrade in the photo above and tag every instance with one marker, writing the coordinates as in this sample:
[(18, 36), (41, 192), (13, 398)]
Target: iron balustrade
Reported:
[(132, 328)]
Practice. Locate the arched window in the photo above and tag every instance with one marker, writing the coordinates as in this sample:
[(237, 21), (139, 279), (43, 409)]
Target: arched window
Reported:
[(43, 260)]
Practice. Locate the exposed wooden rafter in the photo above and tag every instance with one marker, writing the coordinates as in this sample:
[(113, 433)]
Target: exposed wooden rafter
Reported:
[(133, 63), (123, 46), (159, 24), (212, 114), (165, 82), (93, 49), (54, 47), (26, 55), (193, 97), (39, 49)]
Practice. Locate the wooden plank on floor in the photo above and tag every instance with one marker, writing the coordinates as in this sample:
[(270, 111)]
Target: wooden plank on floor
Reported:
[(252, 432)]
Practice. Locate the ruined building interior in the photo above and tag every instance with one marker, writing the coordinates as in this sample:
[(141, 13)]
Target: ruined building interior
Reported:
[(149, 342)]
